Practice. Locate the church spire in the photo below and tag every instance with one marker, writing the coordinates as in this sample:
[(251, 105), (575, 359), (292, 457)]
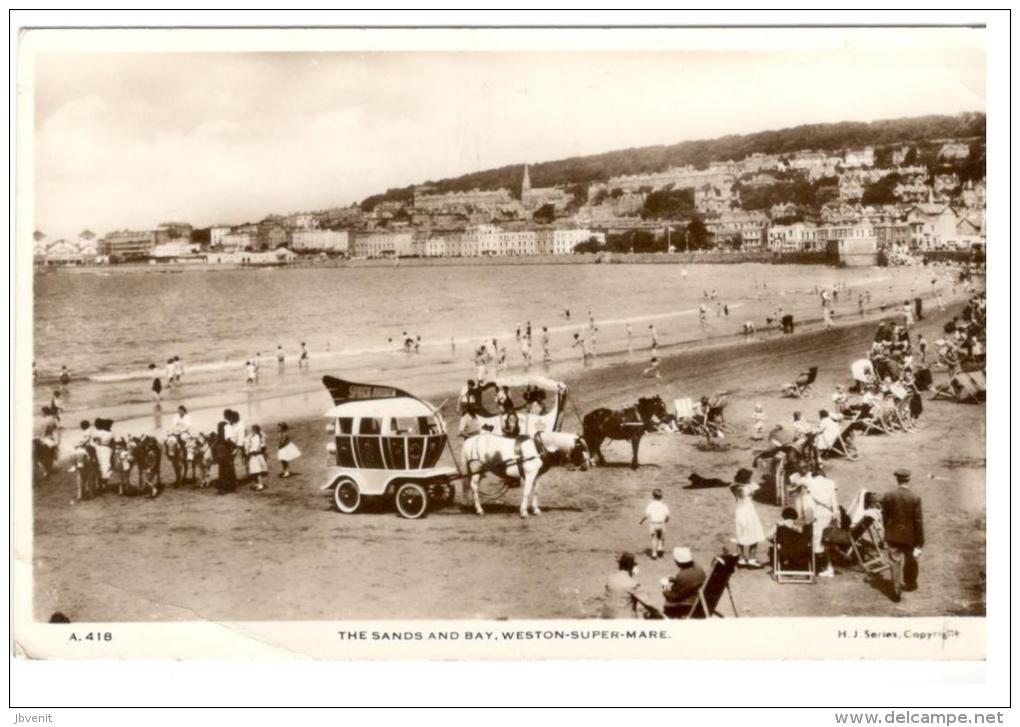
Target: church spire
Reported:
[(526, 182)]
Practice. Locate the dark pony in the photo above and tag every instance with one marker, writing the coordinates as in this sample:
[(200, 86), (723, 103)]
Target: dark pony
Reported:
[(630, 424), (148, 457)]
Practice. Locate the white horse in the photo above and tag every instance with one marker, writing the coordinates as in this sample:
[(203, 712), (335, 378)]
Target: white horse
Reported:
[(520, 458)]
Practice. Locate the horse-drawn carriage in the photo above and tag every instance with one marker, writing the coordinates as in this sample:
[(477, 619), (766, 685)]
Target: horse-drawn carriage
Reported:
[(386, 446), (537, 401)]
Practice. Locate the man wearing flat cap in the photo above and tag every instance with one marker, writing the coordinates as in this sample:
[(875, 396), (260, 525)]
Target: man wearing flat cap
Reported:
[(681, 591), (904, 533)]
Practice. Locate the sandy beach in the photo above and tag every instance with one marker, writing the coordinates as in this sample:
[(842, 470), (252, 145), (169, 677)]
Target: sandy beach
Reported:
[(286, 554)]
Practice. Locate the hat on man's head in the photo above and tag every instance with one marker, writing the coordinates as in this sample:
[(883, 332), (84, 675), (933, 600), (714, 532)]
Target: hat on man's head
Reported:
[(902, 474), (682, 555), (743, 477), (626, 561)]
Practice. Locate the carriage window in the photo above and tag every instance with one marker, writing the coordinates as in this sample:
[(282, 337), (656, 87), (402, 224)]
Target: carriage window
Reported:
[(407, 426), (346, 425), (370, 426)]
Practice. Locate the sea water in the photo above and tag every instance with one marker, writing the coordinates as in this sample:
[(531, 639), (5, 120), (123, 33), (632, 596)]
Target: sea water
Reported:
[(107, 327)]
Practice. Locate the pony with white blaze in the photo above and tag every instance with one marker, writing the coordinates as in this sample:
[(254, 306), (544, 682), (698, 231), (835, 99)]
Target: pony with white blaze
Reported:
[(522, 458)]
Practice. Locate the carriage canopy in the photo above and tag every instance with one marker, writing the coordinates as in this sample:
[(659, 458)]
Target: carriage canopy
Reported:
[(539, 402)]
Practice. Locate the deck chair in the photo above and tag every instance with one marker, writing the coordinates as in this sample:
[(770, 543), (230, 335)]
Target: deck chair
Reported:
[(866, 548), (803, 386), (684, 414), (793, 556), (964, 387), (844, 445), (715, 417), (712, 589)]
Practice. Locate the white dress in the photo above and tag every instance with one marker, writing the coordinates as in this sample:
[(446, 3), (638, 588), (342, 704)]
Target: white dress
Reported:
[(256, 457), (749, 529)]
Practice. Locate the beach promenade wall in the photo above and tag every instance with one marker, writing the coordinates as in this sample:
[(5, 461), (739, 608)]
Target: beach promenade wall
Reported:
[(688, 258)]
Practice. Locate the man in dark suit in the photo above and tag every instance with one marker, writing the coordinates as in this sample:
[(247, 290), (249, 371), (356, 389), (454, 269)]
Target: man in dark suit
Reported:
[(681, 591), (904, 533)]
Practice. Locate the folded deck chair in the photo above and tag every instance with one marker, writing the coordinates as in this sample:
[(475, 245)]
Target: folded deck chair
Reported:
[(712, 589), (793, 556), (803, 386), (966, 386)]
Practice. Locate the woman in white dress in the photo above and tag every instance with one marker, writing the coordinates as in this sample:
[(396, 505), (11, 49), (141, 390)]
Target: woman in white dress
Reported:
[(749, 529), (256, 451), (102, 440)]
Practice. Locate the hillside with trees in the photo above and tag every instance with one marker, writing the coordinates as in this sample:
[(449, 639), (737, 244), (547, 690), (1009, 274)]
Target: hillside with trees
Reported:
[(699, 153)]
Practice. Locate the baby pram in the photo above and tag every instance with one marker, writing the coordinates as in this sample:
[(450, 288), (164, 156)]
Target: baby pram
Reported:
[(803, 386)]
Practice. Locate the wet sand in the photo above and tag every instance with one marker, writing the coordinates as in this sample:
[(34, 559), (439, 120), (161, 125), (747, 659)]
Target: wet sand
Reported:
[(286, 554)]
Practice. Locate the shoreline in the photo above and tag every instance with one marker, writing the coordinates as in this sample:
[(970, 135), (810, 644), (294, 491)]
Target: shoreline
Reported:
[(441, 380)]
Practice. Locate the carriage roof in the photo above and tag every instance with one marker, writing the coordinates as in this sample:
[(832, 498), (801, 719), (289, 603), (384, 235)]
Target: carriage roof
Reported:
[(383, 408)]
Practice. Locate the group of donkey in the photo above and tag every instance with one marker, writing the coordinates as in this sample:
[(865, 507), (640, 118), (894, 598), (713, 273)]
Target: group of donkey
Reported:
[(136, 463)]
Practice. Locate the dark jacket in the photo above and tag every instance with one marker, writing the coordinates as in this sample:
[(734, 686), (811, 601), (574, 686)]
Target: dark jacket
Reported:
[(902, 518), (683, 587)]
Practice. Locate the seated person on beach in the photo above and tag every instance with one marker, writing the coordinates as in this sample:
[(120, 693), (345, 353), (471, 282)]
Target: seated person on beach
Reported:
[(681, 591), (621, 599), (787, 519), (828, 431)]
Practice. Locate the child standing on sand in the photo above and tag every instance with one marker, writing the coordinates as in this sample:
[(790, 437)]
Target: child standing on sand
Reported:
[(748, 525), (286, 451), (759, 417), (657, 515), (256, 450)]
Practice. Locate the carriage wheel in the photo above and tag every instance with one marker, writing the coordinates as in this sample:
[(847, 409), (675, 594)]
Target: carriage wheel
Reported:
[(442, 494), (346, 495), (411, 500)]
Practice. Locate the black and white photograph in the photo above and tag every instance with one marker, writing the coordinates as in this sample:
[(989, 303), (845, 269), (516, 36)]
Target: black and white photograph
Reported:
[(539, 340)]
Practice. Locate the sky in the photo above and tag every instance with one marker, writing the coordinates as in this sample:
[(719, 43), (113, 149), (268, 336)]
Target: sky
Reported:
[(129, 140)]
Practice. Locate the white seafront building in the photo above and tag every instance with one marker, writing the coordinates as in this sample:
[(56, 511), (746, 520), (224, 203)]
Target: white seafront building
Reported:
[(383, 244), (312, 240)]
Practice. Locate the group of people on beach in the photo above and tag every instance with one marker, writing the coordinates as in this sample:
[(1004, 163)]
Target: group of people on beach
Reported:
[(886, 391)]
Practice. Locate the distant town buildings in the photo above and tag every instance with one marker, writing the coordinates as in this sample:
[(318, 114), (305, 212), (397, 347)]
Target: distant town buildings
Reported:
[(932, 202)]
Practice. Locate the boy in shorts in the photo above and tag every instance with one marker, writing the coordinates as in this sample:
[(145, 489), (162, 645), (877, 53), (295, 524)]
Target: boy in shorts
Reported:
[(657, 515)]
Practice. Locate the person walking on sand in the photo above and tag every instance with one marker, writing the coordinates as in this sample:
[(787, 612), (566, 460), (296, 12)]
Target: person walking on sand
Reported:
[(828, 319), (749, 530), (65, 377), (178, 370), (303, 357), (280, 359), (255, 451), (157, 384), (654, 335), (546, 355), (286, 450), (579, 340), (657, 515), (653, 369), (903, 522), (250, 374), (169, 373), (257, 361)]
